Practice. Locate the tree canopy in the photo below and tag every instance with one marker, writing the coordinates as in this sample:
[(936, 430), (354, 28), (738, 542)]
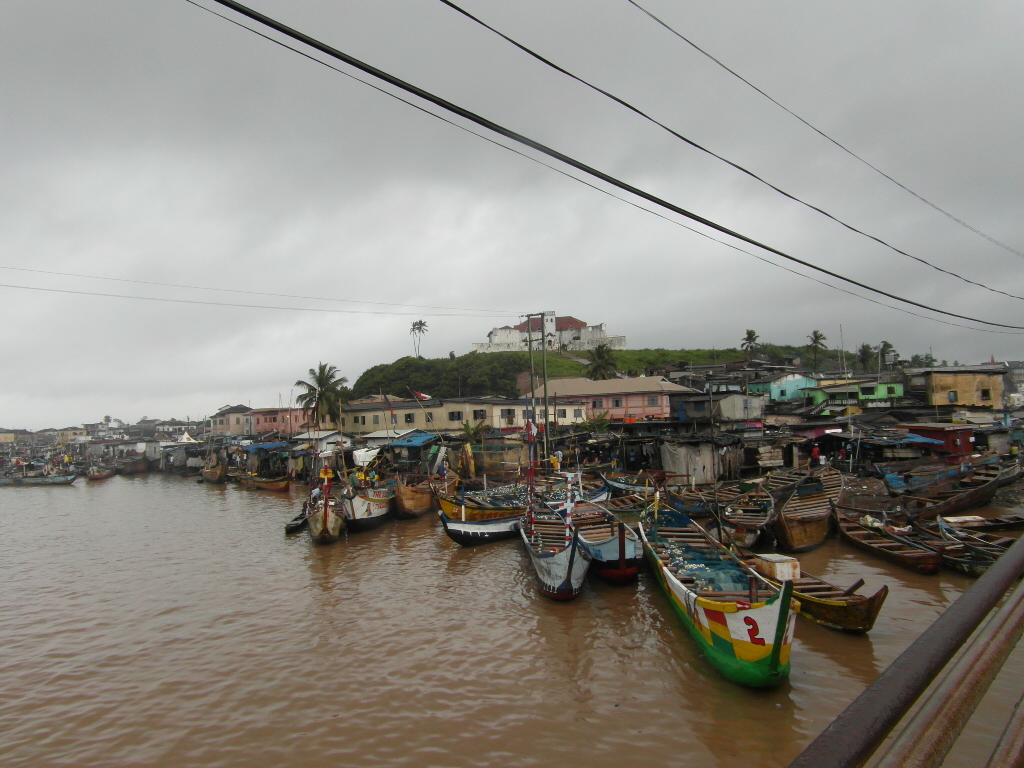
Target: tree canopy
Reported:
[(470, 375)]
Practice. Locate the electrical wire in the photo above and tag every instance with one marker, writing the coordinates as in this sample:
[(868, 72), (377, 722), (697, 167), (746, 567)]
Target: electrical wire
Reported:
[(594, 187), (487, 312), (563, 158), (725, 160), (244, 306), (850, 152)]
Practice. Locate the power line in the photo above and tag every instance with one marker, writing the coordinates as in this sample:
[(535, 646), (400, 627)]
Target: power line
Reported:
[(585, 183), (829, 138), (725, 160), (561, 157), (243, 306), (488, 312)]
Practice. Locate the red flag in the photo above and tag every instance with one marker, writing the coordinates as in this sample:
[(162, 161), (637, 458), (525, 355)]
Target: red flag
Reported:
[(420, 395), (388, 404)]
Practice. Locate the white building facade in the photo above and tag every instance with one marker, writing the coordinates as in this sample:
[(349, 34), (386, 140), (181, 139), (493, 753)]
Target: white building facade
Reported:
[(550, 330)]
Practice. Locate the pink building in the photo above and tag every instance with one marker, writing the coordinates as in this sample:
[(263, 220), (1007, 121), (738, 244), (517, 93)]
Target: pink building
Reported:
[(287, 421), (644, 398)]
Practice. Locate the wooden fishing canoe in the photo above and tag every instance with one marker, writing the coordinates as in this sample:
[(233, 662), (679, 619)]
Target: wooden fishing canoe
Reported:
[(744, 520), (744, 631), (804, 519), (559, 560), (613, 546), (417, 499), (214, 474), (38, 480), (264, 483), (908, 556), (1008, 522), (840, 608)]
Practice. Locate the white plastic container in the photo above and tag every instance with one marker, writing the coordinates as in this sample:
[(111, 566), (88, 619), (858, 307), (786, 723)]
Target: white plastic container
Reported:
[(778, 567)]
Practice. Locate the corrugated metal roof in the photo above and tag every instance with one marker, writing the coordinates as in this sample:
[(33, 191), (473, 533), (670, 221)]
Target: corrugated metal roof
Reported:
[(413, 440)]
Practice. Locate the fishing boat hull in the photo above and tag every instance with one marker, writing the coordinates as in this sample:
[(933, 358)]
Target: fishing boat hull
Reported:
[(41, 480), (215, 474), (369, 508), (862, 537), (560, 574), (133, 466), (739, 643), (802, 535), (100, 476), (615, 559), (278, 484), (327, 521), (412, 501), (469, 533)]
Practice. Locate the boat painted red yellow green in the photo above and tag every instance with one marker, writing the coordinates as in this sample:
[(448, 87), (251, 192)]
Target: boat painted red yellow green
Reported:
[(742, 623)]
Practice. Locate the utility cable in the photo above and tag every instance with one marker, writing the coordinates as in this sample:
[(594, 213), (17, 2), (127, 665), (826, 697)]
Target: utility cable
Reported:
[(594, 187), (244, 306), (715, 155), (608, 179), (488, 312), (853, 154)]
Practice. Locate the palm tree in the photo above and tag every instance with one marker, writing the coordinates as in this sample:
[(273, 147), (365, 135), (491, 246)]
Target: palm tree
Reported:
[(473, 432), (749, 342), (322, 393), (817, 341), (865, 354), (602, 363), (417, 330)]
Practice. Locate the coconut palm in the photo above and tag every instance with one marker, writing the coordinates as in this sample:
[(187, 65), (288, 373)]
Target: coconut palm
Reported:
[(865, 354), (597, 423), (417, 330), (817, 341), (322, 394), (749, 342), (602, 363)]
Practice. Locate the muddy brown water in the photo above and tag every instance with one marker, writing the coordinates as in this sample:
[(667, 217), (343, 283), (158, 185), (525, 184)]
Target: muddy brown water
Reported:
[(156, 621)]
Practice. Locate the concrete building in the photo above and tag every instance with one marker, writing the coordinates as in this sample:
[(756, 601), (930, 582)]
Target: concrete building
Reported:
[(448, 415), (783, 387), (555, 332), (230, 420), (736, 407), (286, 421), (646, 397), (978, 385), (850, 397)]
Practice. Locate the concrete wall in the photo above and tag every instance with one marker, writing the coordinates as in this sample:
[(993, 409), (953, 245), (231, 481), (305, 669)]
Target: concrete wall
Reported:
[(968, 388)]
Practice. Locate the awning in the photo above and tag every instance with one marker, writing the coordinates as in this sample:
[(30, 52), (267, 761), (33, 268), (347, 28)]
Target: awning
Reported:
[(252, 448), (912, 438), (413, 440)]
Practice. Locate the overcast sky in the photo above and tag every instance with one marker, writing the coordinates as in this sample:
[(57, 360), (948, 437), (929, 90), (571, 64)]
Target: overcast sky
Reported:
[(152, 141)]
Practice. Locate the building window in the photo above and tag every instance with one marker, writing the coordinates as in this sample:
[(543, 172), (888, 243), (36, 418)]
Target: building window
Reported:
[(237, 420), (951, 395), (652, 399), (454, 415), (480, 415), (577, 413), (508, 413), (986, 394), (892, 390), (867, 390), (527, 415), (597, 403), (362, 420), (429, 417), (560, 413), (376, 419), (616, 402), (782, 393), (410, 418), (698, 406), (394, 419), (343, 422)]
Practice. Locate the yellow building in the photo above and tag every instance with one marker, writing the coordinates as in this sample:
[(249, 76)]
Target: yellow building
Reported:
[(68, 434), (977, 385)]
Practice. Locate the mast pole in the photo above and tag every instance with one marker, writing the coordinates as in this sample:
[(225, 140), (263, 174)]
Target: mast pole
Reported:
[(547, 407)]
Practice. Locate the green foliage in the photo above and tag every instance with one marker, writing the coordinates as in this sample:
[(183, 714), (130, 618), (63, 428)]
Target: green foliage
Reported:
[(470, 375), (599, 422), (602, 363), (323, 393)]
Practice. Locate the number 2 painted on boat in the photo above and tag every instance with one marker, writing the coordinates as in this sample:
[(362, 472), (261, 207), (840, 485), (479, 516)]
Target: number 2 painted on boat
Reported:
[(752, 631)]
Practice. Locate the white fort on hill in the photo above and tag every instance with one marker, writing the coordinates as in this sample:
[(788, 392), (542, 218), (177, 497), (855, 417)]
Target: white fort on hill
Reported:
[(558, 333)]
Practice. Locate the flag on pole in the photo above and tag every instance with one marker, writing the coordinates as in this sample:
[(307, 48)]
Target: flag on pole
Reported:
[(387, 402), (420, 395)]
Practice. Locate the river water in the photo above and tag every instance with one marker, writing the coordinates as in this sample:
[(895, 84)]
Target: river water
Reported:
[(156, 621)]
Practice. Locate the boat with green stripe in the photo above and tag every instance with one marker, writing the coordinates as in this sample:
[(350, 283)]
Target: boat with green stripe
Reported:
[(742, 623)]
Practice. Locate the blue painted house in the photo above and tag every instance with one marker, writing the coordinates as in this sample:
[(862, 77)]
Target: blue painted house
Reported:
[(785, 386)]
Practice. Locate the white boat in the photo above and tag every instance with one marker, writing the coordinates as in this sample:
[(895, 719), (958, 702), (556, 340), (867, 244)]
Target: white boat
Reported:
[(368, 508), (326, 519)]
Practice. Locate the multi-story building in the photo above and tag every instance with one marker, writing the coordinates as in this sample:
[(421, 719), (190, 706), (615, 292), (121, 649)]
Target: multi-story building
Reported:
[(645, 397), (978, 385), (230, 420), (371, 414), (551, 331), (286, 421)]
